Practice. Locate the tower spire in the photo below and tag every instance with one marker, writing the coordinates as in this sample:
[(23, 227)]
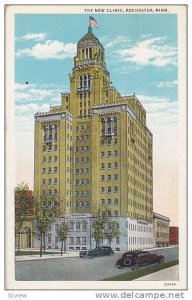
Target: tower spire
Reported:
[(89, 28)]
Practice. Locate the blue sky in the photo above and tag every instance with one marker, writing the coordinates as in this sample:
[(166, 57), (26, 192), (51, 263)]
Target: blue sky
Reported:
[(141, 56)]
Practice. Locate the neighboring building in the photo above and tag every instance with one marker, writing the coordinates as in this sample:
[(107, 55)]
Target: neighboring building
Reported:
[(173, 235), (94, 151), (161, 230), (27, 229)]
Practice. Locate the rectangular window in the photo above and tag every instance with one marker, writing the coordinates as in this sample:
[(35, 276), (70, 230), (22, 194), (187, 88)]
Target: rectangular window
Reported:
[(109, 166), (71, 240), (55, 159), (116, 202), (55, 170), (49, 170), (108, 201), (115, 176), (49, 159), (102, 154), (115, 165), (44, 170), (49, 181), (102, 177), (115, 141), (109, 177), (50, 148), (44, 159), (102, 201), (116, 213), (43, 181), (115, 153), (108, 153), (84, 240), (55, 148), (109, 141), (102, 166), (44, 148), (115, 189), (102, 189), (77, 240), (109, 189), (117, 240)]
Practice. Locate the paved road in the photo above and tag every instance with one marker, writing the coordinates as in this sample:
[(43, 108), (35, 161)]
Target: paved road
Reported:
[(76, 268)]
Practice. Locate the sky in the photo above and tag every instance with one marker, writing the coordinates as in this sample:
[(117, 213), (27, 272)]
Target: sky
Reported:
[(141, 56)]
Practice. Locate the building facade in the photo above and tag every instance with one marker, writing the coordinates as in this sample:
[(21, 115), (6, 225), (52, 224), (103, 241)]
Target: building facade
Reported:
[(173, 235), (161, 230), (94, 151)]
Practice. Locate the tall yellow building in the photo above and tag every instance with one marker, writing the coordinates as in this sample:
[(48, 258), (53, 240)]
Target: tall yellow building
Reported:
[(94, 151)]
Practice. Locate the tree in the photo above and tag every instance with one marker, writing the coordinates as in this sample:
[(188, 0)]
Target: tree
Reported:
[(23, 207), (99, 221), (62, 232), (46, 212), (112, 231)]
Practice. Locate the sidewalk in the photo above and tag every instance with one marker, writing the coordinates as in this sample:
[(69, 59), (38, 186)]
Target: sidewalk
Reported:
[(46, 256), (169, 274)]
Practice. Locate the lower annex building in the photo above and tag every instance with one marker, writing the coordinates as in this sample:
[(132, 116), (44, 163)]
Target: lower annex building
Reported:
[(94, 152)]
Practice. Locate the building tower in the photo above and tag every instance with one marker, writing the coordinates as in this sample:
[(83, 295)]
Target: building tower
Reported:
[(94, 151)]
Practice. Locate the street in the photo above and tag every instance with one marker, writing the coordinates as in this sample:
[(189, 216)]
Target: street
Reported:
[(78, 269)]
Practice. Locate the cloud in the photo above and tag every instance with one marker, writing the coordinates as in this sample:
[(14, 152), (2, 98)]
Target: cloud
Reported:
[(32, 92), (50, 49), (168, 84), (152, 52), (34, 36), (118, 40)]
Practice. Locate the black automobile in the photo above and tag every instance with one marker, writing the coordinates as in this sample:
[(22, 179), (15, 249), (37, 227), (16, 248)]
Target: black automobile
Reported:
[(137, 258), (98, 251)]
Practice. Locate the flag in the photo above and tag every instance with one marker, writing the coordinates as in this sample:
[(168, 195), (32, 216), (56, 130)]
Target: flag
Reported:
[(93, 22)]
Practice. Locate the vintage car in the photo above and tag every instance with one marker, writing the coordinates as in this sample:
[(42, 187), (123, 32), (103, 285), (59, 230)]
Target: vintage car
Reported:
[(98, 251), (137, 258)]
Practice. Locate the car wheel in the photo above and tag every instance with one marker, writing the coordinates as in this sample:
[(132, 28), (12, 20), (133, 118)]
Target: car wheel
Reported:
[(127, 262), (161, 260), (135, 266)]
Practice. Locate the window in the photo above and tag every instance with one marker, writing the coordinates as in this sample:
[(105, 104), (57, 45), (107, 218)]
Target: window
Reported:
[(71, 240), (71, 225), (108, 201), (49, 239), (77, 240), (102, 201), (109, 166), (56, 239), (49, 170), (102, 177), (102, 189), (77, 225), (44, 170), (84, 240), (115, 176), (55, 159), (109, 177), (102, 154), (115, 141), (109, 189), (102, 166), (116, 202), (115, 165), (49, 181), (108, 153), (55, 191), (102, 142), (116, 213), (115, 189), (49, 148), (109, 141), (84, 225), (43, 181), (117, 240), (55, 170), (44, 159), (115, 153), (44, 148), (55, 148)]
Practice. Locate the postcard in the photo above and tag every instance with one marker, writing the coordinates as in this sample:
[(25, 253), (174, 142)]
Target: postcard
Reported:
[(96, 114)]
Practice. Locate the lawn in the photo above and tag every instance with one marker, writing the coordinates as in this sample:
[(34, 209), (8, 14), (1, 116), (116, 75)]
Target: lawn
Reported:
[(142, 272)]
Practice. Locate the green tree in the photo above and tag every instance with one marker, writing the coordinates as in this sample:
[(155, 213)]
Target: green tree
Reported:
[(112, 231), (62, 232), (46, 212), (99, 221), (23, 208)]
